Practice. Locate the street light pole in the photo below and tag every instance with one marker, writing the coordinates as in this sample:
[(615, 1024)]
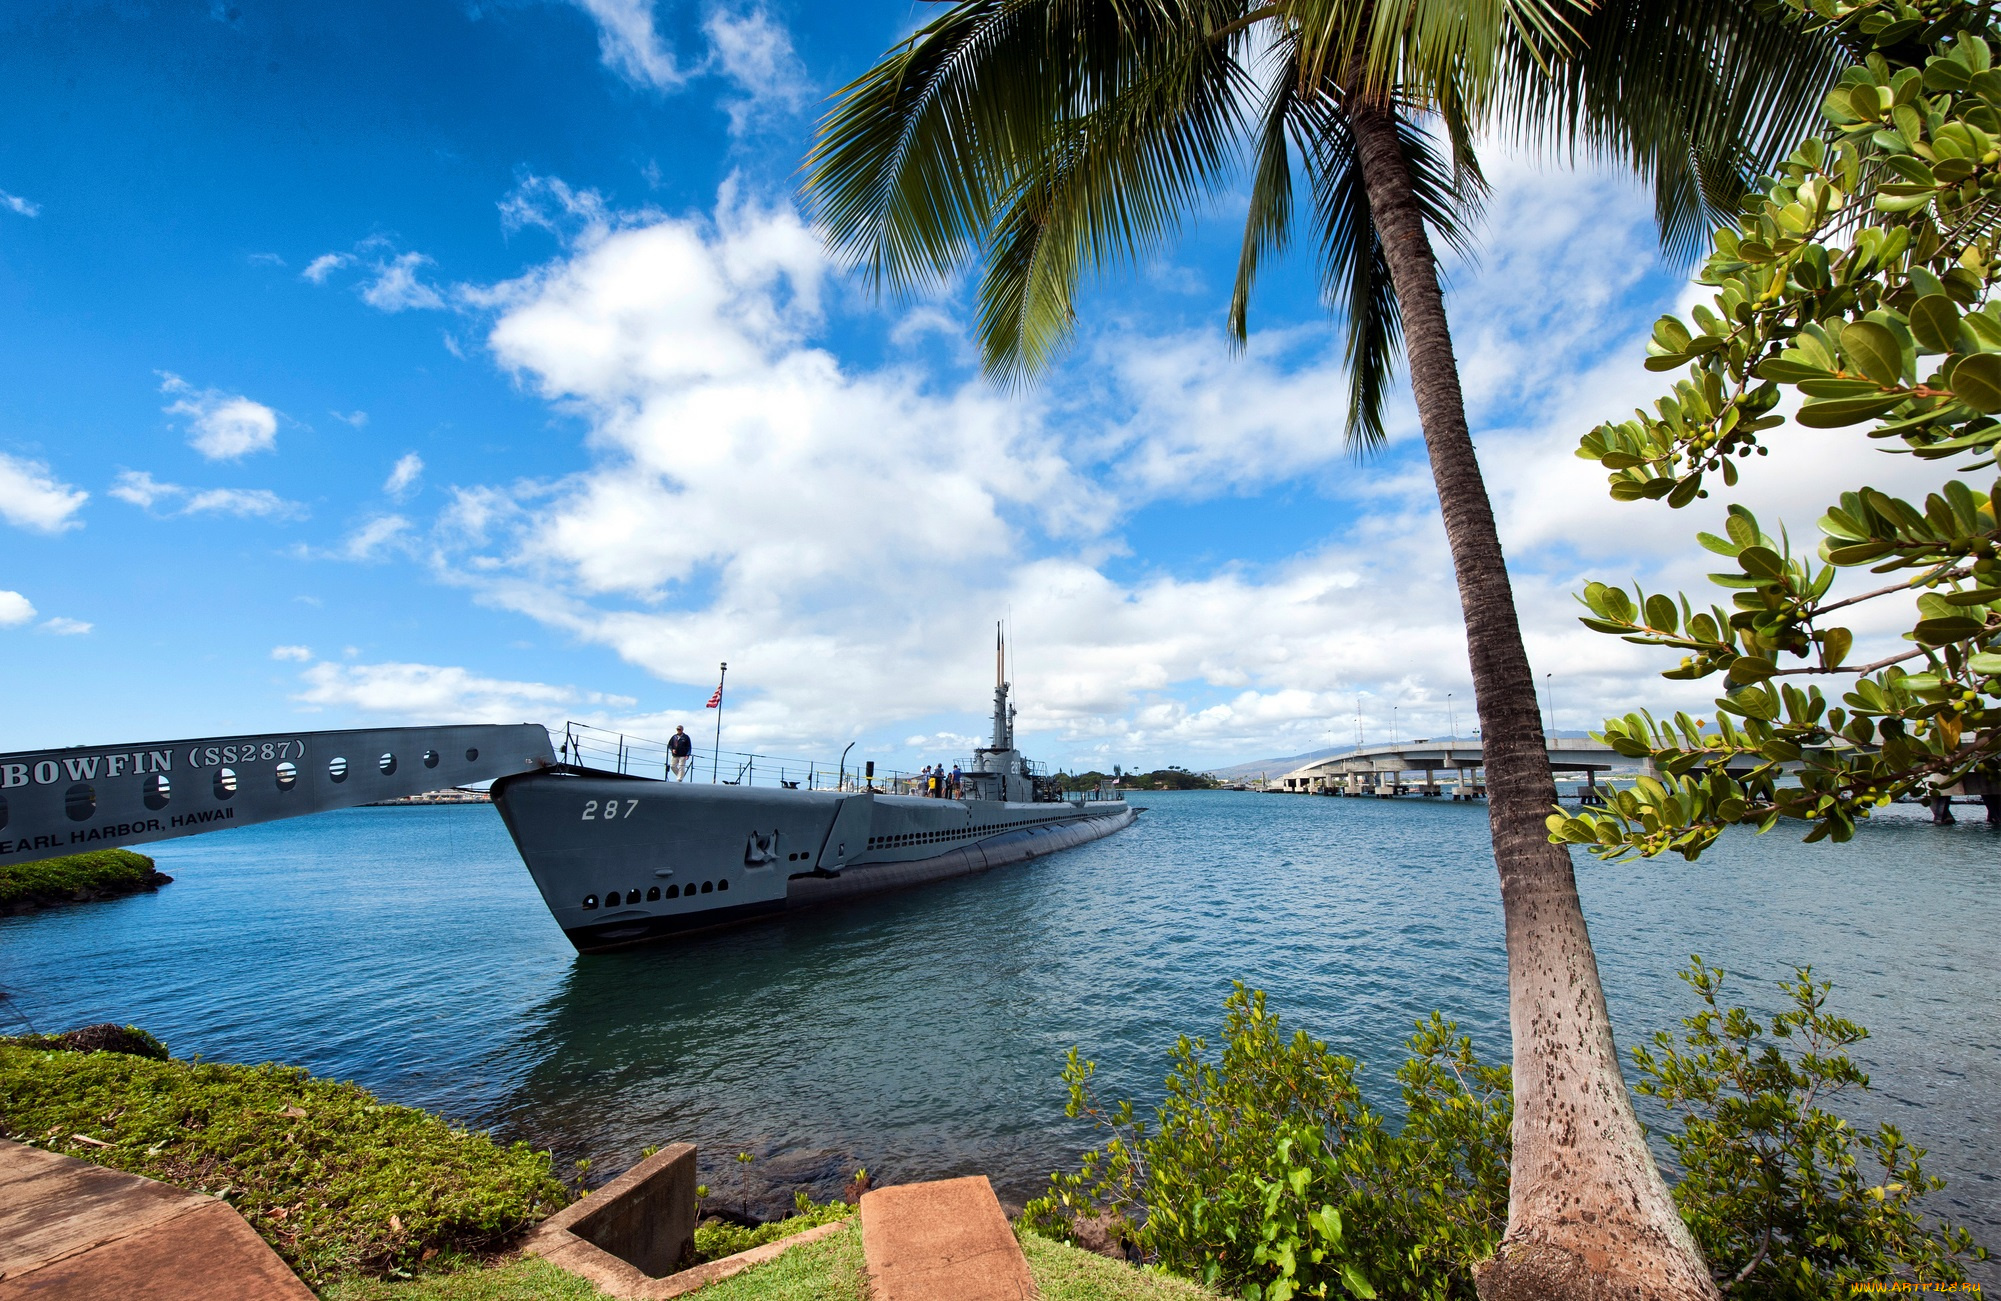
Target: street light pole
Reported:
[(1549, 690), (1451, 717)]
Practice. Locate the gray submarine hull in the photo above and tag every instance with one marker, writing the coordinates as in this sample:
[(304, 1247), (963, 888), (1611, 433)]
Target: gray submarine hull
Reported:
[(623, 860)]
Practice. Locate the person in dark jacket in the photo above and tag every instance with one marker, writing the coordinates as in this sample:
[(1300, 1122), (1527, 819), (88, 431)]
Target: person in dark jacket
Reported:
[(680, 753)]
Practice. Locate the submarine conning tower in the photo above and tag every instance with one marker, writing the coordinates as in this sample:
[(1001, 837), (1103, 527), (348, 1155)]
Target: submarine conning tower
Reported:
[(998, 771)]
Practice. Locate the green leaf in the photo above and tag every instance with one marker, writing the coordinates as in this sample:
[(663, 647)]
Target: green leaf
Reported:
[(1976, 382), (1761, 562), (1671, 335), (1788, 372), (1835, 644), (1935, 323), (1831, 387), (1937, 632), (1834, 413), (1849, 411), (1357, 1282), (1874, 350), (1751, 668)]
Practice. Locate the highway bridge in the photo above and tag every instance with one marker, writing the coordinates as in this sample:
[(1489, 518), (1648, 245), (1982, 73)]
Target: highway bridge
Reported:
[(1452, 766)]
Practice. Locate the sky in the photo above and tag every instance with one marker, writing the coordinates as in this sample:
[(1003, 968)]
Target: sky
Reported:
[(476, 360)]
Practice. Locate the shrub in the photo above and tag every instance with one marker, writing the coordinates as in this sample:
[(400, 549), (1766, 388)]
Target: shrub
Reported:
[(71, 877), (1774, 1185), (1266, 1175), (715, 1238)]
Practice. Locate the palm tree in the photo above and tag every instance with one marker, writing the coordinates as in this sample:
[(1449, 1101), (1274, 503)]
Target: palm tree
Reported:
[(1049, 138)]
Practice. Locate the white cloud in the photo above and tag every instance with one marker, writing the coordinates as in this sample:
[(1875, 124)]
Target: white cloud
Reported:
[(548, 202), (298, 654), (391, 281), (325, 265), (397, 287), (221, 426), (16, 204), (429, 693), (15, 609), (31, 497), (144, 491), (62, 627), (402, 480), (376, 539), (844, 534), (248, 503), (630, 44), (755, 55), (358, 419)]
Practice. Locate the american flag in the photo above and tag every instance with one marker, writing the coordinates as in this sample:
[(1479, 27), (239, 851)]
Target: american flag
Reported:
[(715, 701)]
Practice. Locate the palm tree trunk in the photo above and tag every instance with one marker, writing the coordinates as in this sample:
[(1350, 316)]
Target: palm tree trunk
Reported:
[(1588, 1212)]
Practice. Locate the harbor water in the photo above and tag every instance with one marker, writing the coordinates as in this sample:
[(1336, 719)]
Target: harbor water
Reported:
[(921, 1034)]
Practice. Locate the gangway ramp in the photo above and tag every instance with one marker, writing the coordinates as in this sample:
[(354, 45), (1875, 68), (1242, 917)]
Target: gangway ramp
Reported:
[(98, 797)]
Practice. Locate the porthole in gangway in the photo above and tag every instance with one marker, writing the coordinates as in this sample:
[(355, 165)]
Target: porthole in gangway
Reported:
[(225, 783), (156, 790), (337, 769), (80, 802), (430, 758), (387, 763), (288, 776)]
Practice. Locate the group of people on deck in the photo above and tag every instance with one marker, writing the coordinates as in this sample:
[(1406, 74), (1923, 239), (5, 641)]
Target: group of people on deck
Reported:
[(937, 784)]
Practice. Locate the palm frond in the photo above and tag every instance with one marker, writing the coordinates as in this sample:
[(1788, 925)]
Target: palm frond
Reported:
[(1112, 187), (1355, 274), (1268, 220), (918, 157), (1696, 96)]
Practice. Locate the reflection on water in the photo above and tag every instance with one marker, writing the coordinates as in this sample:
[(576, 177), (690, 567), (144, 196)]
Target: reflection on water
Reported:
[(921, 1034)]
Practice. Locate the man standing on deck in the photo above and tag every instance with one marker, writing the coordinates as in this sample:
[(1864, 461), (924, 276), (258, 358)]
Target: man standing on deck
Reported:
[(956, 787), (680, 752)]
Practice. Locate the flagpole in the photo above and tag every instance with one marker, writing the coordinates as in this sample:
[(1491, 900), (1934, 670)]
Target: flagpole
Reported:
[(716, 758)]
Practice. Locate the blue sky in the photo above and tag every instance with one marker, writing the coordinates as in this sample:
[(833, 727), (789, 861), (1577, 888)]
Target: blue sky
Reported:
[(447, 360)]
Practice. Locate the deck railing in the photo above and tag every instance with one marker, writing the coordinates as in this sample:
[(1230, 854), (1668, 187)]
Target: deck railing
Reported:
[(623, 752)]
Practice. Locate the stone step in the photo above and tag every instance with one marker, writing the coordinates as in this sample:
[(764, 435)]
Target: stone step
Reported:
[(947, 1240), (79, 1231)]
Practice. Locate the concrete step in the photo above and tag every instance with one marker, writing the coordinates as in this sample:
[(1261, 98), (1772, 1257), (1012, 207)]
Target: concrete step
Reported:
[(78, 1231), (947, 1240)]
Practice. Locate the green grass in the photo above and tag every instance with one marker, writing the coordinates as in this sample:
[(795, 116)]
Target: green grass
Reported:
[(828, 1270), (339, 1183), (60, 880), (1066, 1273), (520, 1280)]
